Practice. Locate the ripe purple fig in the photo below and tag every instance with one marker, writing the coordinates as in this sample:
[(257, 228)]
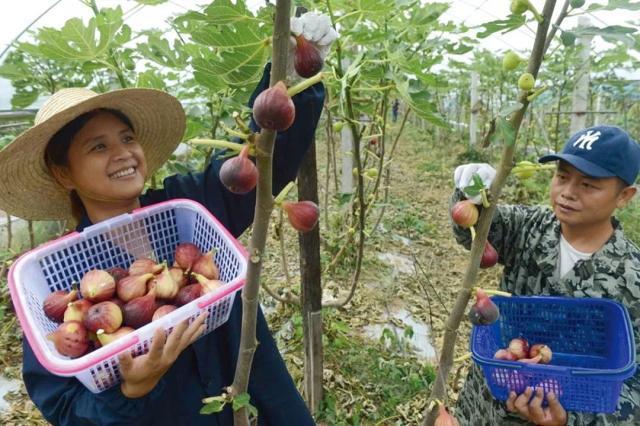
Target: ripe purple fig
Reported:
[(519, 346), (543, 350), (489, 256), (206, 266), (307, 60), (464, 213), (238, 174), (162, 311), (303, 215), (118, 273), (186, 254), (77, 310), (166, 287), (132, 286), (144, 265), (105, 338), (97, 286), (273, 108), (484, 311), (504, 354), (139, 311), (57, 302), (188, 294), (70, 339), (103, 315)]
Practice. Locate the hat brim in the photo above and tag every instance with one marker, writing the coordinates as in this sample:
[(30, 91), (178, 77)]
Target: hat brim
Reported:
[(28, 190), (585, 167)]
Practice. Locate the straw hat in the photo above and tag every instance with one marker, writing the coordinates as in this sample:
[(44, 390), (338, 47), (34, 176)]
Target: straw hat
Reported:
[(27, 189)]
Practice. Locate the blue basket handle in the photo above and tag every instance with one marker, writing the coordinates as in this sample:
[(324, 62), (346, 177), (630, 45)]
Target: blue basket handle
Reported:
[(498, 363)]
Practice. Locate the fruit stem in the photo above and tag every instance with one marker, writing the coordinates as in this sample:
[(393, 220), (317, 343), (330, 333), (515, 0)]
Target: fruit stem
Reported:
[(463, 357), (283, 194), (473, 232), (217, 143), (294, 90), (533, 10), (493, 292), (536, 93), (485, 199)]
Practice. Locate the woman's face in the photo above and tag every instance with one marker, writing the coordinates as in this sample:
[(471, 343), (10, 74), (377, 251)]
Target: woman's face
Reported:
[(106, 163)]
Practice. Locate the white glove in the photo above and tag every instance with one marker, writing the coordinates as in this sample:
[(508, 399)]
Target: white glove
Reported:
[(315, 28), (463, 177)]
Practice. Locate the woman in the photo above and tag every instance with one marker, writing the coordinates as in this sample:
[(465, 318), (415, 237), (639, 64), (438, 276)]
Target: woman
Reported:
[(87, 157)]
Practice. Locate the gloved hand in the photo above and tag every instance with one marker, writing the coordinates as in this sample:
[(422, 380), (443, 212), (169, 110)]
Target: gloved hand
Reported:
[(463, 177), (315, 28)]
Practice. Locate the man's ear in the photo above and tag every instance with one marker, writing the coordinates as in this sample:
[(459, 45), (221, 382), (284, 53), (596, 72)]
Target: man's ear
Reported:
[(626, 195), (61, 174)]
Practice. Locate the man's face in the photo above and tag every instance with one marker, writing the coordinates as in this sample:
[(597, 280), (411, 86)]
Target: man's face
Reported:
[(580, 200)]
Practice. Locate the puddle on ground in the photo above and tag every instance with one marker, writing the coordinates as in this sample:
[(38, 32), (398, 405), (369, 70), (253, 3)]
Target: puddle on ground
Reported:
[(6, 386), (420, 341)]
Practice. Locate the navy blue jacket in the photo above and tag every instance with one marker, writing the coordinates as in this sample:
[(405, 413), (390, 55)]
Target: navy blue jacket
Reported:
[(208, 365)]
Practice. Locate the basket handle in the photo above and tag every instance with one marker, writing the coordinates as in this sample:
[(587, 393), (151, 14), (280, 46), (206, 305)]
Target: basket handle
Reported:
[(512, 365)]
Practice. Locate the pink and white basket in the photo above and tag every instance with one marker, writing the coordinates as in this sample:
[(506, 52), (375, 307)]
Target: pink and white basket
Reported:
[(152, 231)]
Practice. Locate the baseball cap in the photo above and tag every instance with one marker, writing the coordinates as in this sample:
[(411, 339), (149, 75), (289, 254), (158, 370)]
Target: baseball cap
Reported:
[(601, 151)]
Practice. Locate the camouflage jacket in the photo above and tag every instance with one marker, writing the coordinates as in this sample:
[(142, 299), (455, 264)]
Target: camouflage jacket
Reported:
[(527, 241)]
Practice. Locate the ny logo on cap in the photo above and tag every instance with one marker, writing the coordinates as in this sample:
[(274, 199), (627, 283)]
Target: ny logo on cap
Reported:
[(586, 140)]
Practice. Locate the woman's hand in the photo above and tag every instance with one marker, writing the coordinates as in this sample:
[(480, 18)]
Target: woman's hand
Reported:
[(554, 415), (141, 374)]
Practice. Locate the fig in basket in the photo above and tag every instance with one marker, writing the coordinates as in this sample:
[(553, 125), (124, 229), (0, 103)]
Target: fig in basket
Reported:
[(97, 285), (103, 315), (105, 338), (144, 265), (76, 311), (139, 311), (132, 286), (206, 265), (186, 254), (57, 302), (70, 339)]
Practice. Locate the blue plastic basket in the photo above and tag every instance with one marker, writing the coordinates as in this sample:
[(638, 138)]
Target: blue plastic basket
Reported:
[(592, 343)]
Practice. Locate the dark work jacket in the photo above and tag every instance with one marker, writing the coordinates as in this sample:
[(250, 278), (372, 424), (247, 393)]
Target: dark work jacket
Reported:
[(204, 368)]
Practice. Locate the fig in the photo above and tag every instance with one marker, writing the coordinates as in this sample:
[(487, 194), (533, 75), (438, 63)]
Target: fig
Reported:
[(70, 339), (118, 273), (144, 265), (188, 294), (307, 60), (543, 350), (56, 303), (133, 286), (518, 7), (568, 38), (165, 286), (510, 61), (303, 215), (489, 256), (105, 338), (504, 354), (526, 81), (445, 418), (162, 311), (103, 315), (117, 301), (373, 141), (519, 347), (337, 126), (207, 284), (534, 360), (139, 311), (97, 286), (179, 276), (273, 108), (77, 310), (464, 213), (484, 311), (186, 255), (206, 266), (238, 174)]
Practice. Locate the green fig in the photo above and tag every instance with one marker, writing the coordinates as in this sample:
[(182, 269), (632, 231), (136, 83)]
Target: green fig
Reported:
[(526, 81), (510, 61)]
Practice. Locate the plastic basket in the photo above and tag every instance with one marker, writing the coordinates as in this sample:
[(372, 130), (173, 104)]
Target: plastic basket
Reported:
[(592, 343), (152, 231)]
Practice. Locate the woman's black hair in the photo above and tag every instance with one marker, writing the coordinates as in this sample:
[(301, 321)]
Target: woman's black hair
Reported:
[(56, 153)]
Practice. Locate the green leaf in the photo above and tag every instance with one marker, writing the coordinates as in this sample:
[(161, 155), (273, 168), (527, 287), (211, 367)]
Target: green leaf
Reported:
[(11, 71), (419, 100), (514, 22), (614, 4), (214, 406), (510, 109), (505, 131), (475, 188), (22, 98), (194, 129), (151, 79), (151, 2), (241, 400)]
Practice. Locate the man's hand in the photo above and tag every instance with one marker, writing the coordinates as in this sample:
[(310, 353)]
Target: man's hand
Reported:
[(315, 28), (553, 415), (463, 177), (141, 374)]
